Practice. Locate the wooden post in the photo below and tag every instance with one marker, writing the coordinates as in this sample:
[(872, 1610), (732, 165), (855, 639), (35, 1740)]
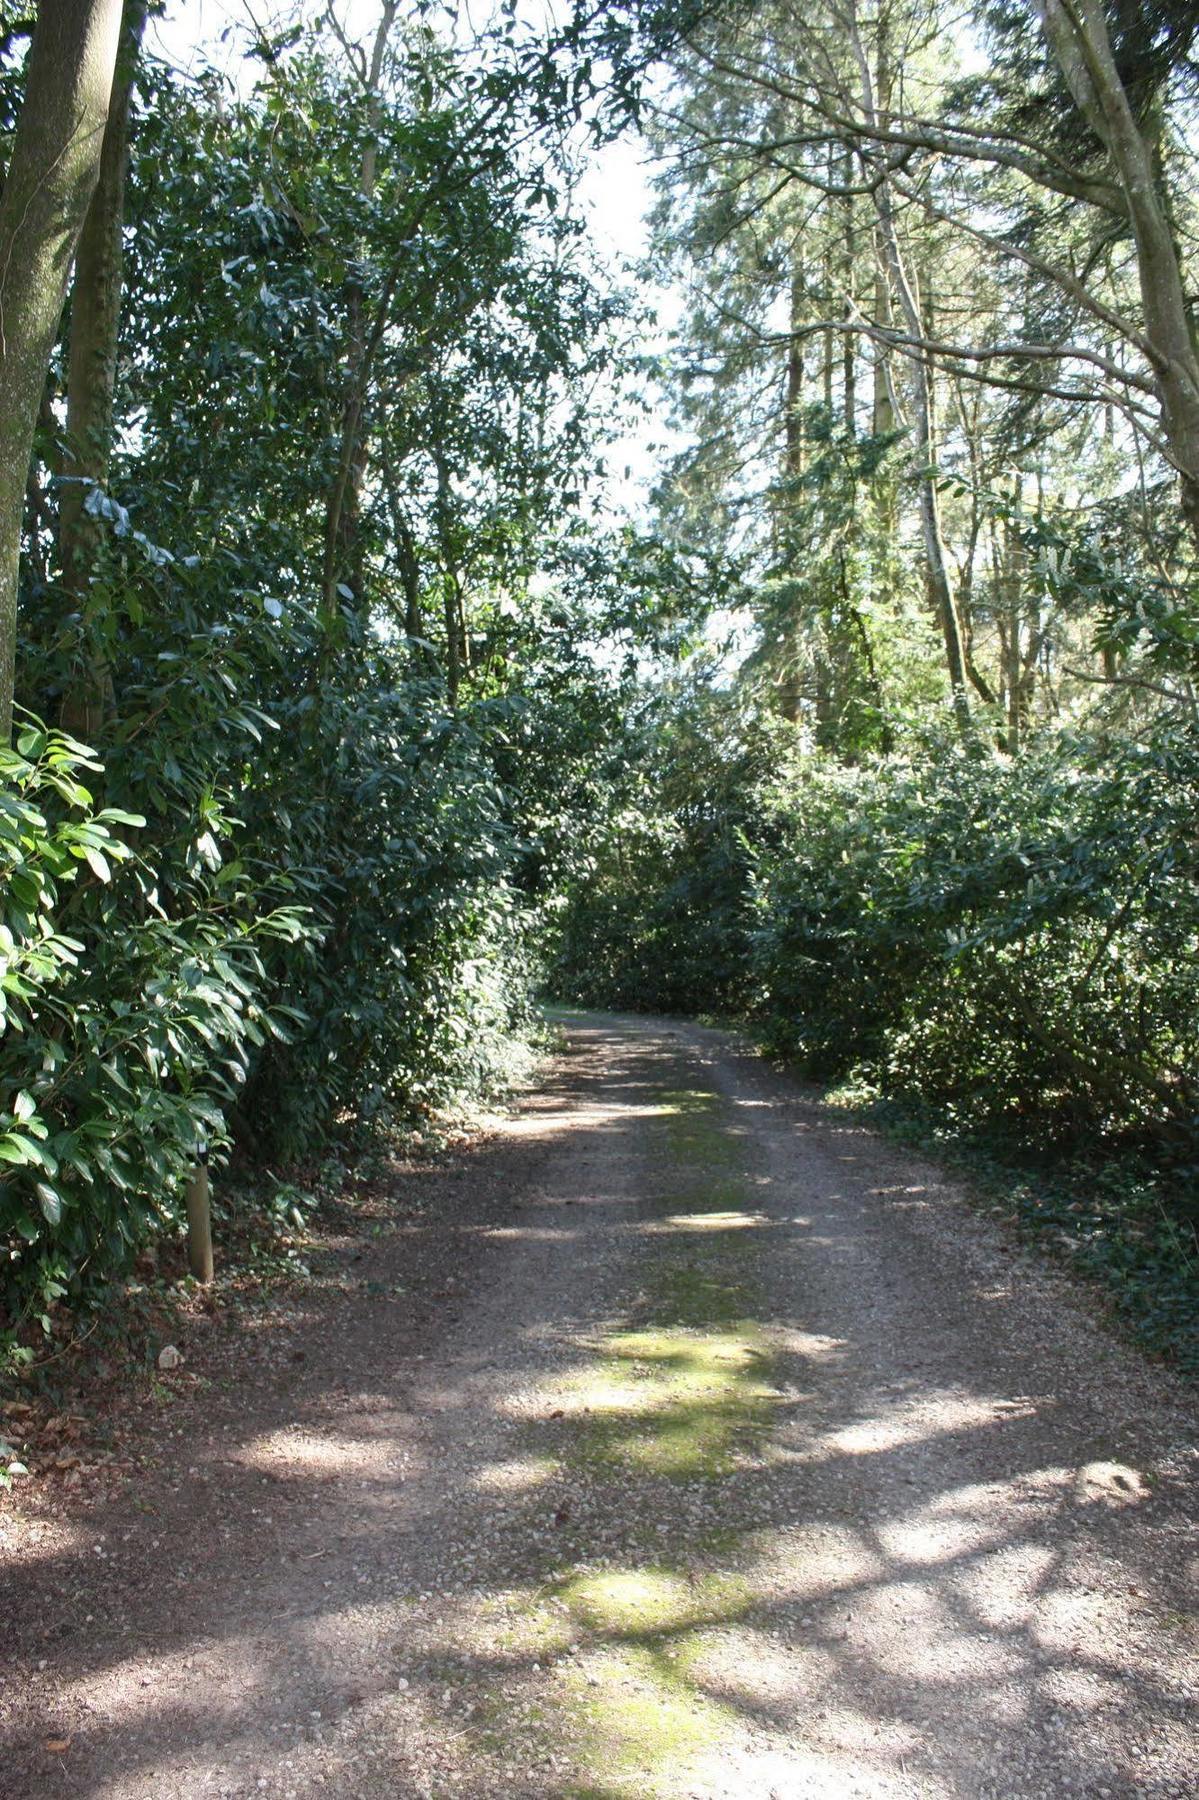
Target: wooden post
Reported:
[(199, 1220)]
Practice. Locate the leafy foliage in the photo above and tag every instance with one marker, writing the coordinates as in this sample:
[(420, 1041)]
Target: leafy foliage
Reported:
[(292, 890), (1007, 939), (660, 918), (128, 1031), (1002, 952), (386, 728)]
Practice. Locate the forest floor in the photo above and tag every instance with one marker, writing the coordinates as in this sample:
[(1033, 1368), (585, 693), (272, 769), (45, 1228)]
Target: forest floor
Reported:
[(675, 1438)]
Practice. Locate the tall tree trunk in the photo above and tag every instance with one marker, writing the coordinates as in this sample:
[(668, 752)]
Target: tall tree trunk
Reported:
[(343, 548), (55, 162), (940, 588), (884, 411), (849, 393), (1077, 34), (937, 565), (793, 399), (883, 420), (407, 560), (451, 587), (790, 687), (1013, 596), (829, 279), (91, 379)]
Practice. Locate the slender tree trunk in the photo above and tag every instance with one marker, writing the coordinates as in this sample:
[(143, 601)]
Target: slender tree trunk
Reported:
[(414, 625), (849, 391), (343, 549), (793, 398), (1013, 582), (939, 585), (407, 558), (883, 410), (55, 162), (1077, 34), (829, 279), (91, 379), (940, 588), (790, 695), (455, 622)]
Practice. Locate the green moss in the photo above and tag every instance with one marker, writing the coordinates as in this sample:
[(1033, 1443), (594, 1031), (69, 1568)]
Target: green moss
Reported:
[(695, 1128), (673, 1401), (723, 1541), (652, 1602), (683, 1390), (661, 1724), (705, 1198), (698, 1292)]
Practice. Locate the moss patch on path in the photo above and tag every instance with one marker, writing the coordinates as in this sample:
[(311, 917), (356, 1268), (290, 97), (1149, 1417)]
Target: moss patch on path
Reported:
[(672, 1401), (683, 1393)]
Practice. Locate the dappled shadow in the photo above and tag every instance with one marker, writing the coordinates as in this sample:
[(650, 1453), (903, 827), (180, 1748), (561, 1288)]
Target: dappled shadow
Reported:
[(656, 1472)]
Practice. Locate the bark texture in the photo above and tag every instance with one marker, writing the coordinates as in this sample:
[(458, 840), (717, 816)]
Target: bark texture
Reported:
[(1077, 34), (49, 185), (91, 379)]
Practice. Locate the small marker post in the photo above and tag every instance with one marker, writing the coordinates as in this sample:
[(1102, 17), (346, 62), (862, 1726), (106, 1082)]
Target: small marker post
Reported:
[(199, 1219)]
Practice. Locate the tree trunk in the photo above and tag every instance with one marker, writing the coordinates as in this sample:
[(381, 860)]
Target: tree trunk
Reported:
[(884, 412), (452, 604), (343, 512), (790, 686), (91, 379), (793, 400), (874, 109), (939, 586), (1077, 34), (849, 391), (55, 162), (883, 421), (1013, 584)]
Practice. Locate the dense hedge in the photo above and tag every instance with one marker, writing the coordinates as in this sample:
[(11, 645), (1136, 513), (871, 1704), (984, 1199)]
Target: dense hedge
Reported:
[(1015, 940), (154, 997), (999, 957), (1009, 940), (337, 733)]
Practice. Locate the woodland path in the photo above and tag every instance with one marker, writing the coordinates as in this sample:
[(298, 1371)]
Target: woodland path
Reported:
[(737, 1458)]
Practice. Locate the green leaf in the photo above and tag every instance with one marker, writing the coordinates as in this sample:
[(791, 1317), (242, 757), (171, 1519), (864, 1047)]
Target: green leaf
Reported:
[(28, 1151), (51, 1201)]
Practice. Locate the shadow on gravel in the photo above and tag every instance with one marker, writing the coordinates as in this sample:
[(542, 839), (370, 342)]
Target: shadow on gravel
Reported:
[(722, 1545)]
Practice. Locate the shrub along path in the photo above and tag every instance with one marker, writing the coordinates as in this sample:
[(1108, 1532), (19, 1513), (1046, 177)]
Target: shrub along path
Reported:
[(750, 1463)]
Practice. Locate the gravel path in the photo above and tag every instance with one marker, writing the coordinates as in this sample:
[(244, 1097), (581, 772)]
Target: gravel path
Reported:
[(738, 1458)]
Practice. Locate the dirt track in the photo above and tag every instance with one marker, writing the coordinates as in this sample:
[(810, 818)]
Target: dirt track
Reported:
[(750, 1464)]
